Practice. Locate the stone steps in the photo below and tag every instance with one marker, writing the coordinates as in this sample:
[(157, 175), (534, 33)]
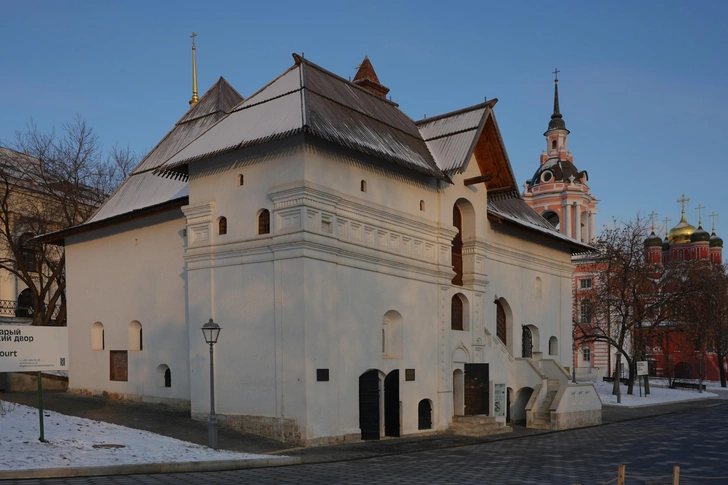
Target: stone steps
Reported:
[(477, 426)]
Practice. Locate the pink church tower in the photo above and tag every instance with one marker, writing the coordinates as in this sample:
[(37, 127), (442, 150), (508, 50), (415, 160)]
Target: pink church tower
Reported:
[(558, 190)]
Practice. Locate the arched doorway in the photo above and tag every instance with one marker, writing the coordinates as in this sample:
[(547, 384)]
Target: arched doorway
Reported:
[(424, 414), (369, 405), (518, 412), (391, 404)]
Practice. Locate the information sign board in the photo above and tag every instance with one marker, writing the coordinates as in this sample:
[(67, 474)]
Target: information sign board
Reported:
[(33, 349), (499, 400), (642, 368)]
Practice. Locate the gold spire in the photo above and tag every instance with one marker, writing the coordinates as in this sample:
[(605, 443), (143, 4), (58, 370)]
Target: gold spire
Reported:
[(682, 201), (712, 217), (652, 216), (194, 99), (700, 208)]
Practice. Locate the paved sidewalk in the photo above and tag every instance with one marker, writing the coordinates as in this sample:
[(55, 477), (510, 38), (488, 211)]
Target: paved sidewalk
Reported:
[(176, 423)]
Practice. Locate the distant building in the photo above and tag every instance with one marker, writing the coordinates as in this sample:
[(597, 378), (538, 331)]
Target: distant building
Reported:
[(373, 276)]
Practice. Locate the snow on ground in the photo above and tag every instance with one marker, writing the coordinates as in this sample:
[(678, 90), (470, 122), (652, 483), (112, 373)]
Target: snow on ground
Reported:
[(74, 442), (657, 394)]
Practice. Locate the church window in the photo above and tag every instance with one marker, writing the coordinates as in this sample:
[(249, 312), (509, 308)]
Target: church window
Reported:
[(135, 335), (586, 311), (97, 336), (457, 247), (586, 354), (363, 185), (222, 226), (422, 205), (500, 322), (553, 346), (264, 222), (537, 288), (241, 180), (456, 313), (585, 283)]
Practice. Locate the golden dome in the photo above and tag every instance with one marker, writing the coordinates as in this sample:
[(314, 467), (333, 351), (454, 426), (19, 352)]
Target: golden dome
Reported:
[(682, 232)]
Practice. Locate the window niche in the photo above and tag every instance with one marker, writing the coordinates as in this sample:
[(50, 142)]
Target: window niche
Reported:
[(241, 180), (164, 376), (97, 336), (264, 222), (222, 226), (135, 335), (392, 335), (363, 185)]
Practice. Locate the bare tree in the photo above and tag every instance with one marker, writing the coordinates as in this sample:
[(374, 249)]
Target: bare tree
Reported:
[(48, 182), (629, 297)]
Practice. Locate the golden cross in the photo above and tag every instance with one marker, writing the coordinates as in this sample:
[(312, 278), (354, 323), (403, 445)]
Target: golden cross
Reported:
[(713, 217), (667, 224), (682, 200), (700, 208), (193, 39), (556, 73), (652, 217)]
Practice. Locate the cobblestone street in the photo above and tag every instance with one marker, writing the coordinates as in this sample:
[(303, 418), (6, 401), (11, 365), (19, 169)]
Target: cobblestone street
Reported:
[(696, 440)]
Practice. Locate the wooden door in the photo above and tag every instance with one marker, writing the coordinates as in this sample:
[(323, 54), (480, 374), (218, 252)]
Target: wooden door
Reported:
[(476, 389)]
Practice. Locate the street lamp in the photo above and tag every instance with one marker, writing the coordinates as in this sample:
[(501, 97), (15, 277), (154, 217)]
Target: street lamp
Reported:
[(573, 363), (617, 377), (211, 331), (700, 370)]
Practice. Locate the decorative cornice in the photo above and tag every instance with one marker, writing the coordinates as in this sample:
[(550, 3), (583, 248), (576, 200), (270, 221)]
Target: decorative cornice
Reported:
[(199, 213)]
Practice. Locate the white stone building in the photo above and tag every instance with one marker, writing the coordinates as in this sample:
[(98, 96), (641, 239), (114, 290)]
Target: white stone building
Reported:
[(372, 275)]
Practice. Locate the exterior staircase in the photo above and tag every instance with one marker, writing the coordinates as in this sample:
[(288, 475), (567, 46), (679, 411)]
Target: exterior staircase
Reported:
[(479, 425), (542, 416)]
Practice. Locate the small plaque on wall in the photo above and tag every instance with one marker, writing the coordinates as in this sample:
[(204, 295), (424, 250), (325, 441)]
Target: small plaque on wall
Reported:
[(322, 375), (409, 374)]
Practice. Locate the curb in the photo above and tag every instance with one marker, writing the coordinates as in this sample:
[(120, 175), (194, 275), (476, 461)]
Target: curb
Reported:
[(150, 468), (646, 405)]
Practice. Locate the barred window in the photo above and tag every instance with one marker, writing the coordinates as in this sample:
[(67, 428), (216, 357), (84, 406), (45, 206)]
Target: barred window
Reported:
[(456, 314), (500, 328), (264, 222)]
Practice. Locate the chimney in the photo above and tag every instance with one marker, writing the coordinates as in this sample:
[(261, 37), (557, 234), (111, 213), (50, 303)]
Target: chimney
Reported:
[(367, 79)]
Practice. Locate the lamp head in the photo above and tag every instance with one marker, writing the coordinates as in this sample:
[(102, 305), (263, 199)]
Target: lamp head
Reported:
[(211, 331)]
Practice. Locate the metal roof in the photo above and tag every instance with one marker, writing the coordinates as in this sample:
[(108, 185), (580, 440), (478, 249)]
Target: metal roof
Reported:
[(511, 207), (143, 188), (308, 98)]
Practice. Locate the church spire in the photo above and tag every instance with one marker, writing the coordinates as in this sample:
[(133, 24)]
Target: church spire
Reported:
[(194, 99), (557, 121)]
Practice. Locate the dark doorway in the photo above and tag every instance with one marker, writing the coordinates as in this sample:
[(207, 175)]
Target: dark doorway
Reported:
[(526, 343), (369, 405), (476, 389), (509, 392), (424, 415), (391, 404)]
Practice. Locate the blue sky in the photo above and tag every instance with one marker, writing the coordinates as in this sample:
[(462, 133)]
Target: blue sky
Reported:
[(642, 84)]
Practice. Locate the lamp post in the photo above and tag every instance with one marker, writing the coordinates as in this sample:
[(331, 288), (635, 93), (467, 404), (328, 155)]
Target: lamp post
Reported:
[(211, 331), (617, 377), (573, 363), (700, 370)]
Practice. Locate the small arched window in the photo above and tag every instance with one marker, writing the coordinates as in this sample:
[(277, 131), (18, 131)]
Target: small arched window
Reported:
[(553, 346), (164, 376), (241, 180), (553, 144), (500, 322), (585, 311), (135, 335), (422, 205), (363, 185), (264, 222), (456, 313), (97, 336), (537, 287), (222, 226)]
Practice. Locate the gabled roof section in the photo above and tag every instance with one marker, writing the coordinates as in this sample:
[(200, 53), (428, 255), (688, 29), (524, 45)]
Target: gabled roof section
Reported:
[(309, 99), (143, 189), (509, 207), (490, 153), (451, 136)]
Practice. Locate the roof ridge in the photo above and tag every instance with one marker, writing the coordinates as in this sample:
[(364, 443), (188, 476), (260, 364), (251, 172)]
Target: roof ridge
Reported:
[(489, 104), (236, 107), (300, 59), (453, 133)]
